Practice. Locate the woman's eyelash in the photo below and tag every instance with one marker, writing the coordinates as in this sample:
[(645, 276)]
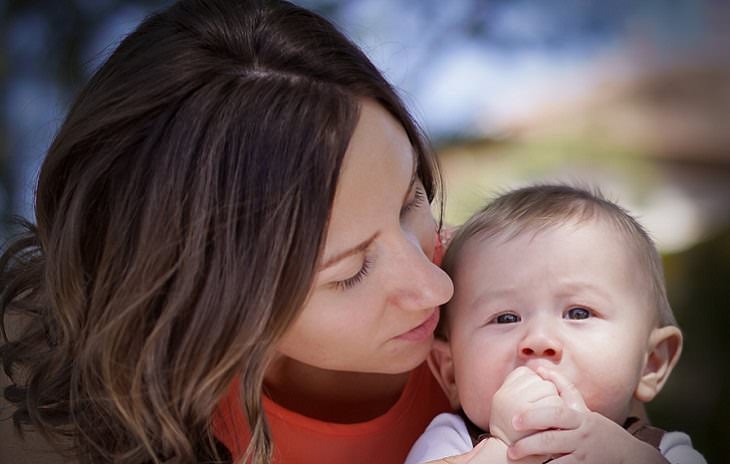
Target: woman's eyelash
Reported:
[(354, 280), (419, 197)]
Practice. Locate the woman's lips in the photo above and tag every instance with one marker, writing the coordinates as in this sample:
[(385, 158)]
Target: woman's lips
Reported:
[(422, 331)]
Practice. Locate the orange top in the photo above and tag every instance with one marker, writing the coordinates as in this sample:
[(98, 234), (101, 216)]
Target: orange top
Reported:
[(300, 439)]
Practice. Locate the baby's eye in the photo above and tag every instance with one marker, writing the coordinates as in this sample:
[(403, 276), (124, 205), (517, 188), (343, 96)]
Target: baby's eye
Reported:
[(507, 318), (578, 313)]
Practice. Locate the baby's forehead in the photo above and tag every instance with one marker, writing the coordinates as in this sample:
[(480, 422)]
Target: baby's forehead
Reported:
[(532, 212), (499, 254), (498, 235)]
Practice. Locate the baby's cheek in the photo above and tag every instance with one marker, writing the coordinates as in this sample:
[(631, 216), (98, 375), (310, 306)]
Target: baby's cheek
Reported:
[(610, 400), (479, 414), (480, 368), (476, 400)]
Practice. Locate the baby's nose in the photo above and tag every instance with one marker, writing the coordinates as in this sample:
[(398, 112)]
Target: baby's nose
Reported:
[(540, 344)]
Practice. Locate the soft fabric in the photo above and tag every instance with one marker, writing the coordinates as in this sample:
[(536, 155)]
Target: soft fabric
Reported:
[(299, 439), (448, 435), (676, 447)]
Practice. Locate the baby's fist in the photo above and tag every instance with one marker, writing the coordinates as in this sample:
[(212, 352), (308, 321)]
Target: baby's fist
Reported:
[(521, 390)]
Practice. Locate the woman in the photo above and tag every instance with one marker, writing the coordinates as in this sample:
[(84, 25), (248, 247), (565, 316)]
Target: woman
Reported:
[(234, 244)]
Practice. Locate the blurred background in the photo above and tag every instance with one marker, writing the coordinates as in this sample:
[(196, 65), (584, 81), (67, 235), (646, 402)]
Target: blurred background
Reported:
[(629, 96)]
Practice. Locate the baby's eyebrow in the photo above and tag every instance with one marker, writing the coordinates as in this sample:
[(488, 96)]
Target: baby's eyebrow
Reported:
[(349, 252), (570, 287), (489, 295)]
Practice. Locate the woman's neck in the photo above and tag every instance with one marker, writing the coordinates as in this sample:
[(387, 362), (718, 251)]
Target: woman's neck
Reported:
[(332, 396)]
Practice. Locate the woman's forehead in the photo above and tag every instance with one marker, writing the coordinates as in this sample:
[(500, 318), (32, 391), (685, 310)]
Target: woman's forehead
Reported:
[(375, 178)]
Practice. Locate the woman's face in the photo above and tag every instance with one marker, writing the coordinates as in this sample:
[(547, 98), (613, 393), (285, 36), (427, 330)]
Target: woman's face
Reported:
[(374, 304)]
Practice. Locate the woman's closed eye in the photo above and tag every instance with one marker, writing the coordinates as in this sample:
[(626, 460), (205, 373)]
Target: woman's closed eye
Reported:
[(357, 278)]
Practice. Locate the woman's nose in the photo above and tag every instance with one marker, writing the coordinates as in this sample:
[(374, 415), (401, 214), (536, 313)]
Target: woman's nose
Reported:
[(540, 342), (418, 283)]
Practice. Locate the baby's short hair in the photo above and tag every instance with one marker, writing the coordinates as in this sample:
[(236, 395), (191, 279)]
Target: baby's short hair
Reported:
[(541, 206)]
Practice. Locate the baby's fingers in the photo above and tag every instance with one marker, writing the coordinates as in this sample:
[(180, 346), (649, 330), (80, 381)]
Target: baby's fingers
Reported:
[(566, 389), (520, 375), (553, 443), (548, 417)]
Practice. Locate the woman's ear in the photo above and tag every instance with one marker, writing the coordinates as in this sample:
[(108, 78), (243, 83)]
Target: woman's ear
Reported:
[(442, 366), (665, 346)]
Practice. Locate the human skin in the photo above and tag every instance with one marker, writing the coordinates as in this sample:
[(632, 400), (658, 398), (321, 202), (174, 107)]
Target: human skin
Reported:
[(370, 316), (565, 303), (522, 390), (565, 298), (574, 433), (569, 432)]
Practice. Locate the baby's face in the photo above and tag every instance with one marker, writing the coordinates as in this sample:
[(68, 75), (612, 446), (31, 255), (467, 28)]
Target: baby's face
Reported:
[(570, 298)]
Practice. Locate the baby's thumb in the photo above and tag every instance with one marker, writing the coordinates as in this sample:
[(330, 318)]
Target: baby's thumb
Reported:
[(566, 389)]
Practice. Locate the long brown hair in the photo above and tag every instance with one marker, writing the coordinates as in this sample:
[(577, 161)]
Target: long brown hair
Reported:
[(180, 214)]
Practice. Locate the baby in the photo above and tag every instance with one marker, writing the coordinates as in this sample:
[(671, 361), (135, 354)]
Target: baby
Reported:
[(559, 330)]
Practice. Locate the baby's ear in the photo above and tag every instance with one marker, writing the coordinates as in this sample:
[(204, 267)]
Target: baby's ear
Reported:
[(442, 366), (665, 346)]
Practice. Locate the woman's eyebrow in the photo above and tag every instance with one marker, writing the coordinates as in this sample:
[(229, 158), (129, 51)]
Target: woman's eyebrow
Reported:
[(349, 252), (337, 257)]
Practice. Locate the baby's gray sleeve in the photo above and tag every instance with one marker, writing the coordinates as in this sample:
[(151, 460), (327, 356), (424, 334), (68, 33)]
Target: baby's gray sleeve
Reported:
[(677, 448)]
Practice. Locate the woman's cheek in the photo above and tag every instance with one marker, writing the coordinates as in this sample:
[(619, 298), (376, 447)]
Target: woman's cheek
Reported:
[(428, 234)]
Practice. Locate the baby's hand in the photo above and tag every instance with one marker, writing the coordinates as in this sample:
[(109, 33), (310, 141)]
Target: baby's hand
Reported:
[(489, 451), (586, 437), (521, 391), (572, 433)]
